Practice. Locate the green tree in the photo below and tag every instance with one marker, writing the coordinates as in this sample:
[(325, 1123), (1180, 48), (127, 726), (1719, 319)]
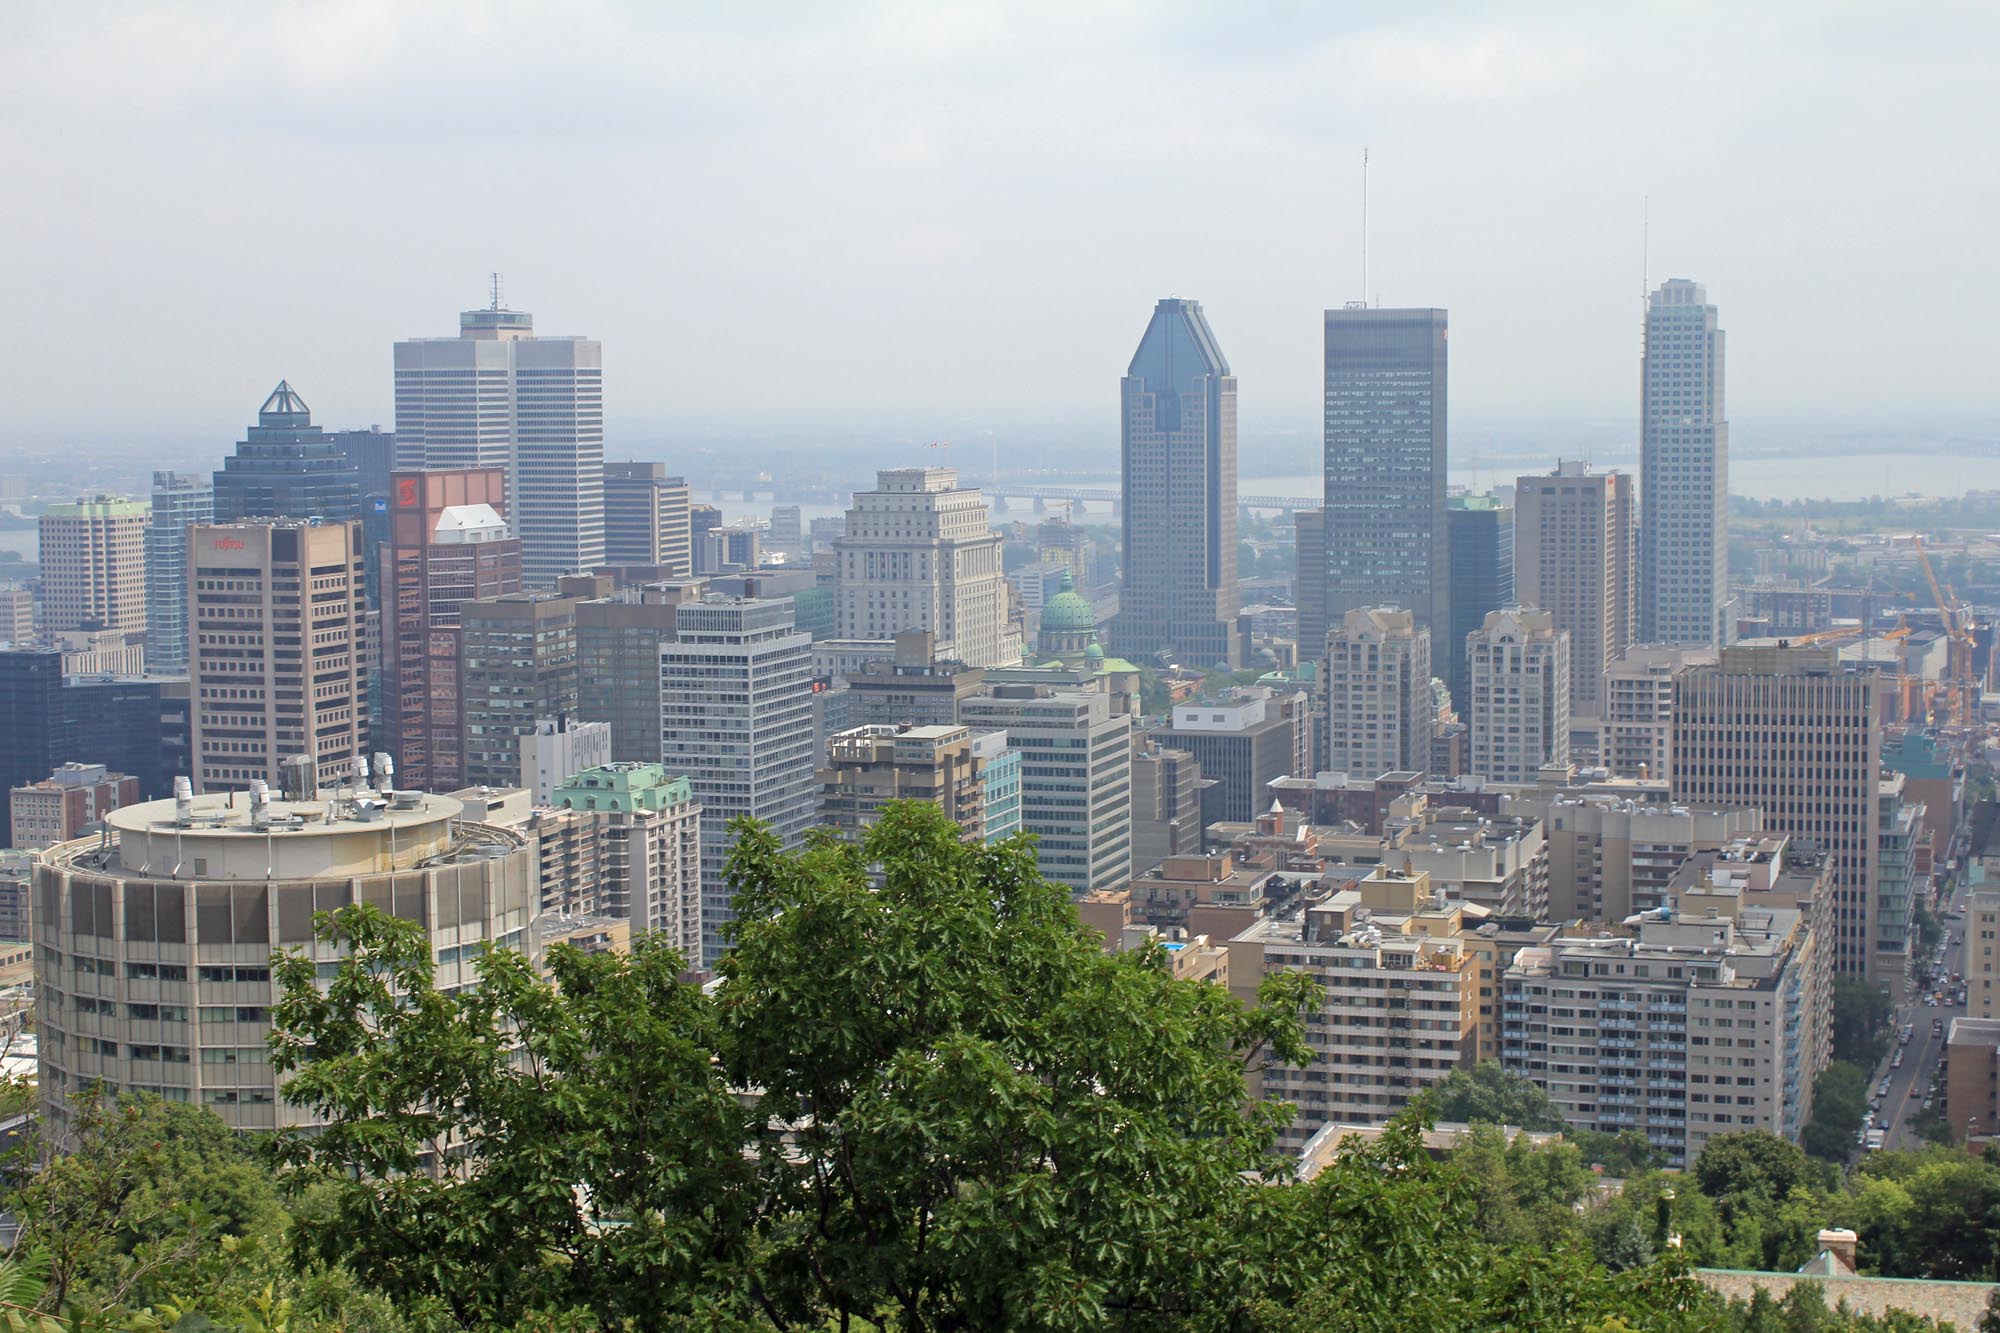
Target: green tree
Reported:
[(1861, 1014), (1840, 1101), (920, 1095), (1488, 1094)]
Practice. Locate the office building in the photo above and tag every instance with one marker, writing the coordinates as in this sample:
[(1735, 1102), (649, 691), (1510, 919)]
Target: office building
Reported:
[(1712, 1016), (648, 848), (1482, 579), (1386, 530), (736, 720), (1308, 582), (58, 807), (1794, 733), (557, 750), (1178, 460), (1076, 778), (702, 520), (153, 953), (1244, 742), (372, 455), (1379, 705), (1636, 737), (448, 545), (93, 555), (868, 766), (1902, 878), (1683, 471), (517, 665), (47, 719), (919, 553), (646, 518), (1519, 669), (618, 642), (1574, 551), (912, 685), (17, 614), (788, 534), (1167, 787), (498, 396), (286, 467), (278, 653), (1400, 1009), (1000, 784), (180, 500)]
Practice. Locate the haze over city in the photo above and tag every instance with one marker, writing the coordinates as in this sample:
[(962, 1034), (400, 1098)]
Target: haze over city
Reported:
[(901, 221)]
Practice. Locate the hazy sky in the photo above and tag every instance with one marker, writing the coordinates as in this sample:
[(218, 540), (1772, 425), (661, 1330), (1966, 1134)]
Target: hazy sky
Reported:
[(895, 211)]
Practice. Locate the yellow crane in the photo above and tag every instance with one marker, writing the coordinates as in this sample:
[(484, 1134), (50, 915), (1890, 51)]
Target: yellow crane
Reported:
[(1959, 645)]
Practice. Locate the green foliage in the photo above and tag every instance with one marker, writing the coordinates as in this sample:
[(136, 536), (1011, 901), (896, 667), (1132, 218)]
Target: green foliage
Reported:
[(1839, 1105), (1488, 1094), (1626, 1153), (1861, 1016)]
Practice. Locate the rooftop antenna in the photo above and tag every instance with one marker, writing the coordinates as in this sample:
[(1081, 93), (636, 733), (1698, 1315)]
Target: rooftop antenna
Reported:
[(1364, 226), (496, 289)]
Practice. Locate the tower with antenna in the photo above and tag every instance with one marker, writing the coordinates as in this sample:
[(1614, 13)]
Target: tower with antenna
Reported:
[(496, 292)]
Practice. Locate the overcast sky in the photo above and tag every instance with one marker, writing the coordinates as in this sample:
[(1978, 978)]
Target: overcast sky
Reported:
[(835, 212)]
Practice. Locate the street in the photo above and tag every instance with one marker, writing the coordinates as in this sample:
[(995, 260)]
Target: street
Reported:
[(1921, 1056)]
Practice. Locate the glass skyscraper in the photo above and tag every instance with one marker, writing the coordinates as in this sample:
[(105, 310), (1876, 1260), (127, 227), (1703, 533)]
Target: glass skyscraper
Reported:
[(1683, 471), (286, 467), (1387, 534), (180, 500), (1482, 580), (1178, 404)]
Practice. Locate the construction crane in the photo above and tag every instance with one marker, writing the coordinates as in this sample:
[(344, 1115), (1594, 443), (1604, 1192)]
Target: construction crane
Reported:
[(1958, 647)]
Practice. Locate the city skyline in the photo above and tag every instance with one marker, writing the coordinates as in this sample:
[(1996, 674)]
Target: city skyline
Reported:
[(927, 207)]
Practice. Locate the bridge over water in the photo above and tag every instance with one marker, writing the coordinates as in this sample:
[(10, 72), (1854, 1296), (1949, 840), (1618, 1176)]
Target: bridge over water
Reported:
[(1041, 495)]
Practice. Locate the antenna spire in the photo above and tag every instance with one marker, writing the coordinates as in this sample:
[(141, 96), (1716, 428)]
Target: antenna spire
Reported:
[(1364, 226), (496, 289)]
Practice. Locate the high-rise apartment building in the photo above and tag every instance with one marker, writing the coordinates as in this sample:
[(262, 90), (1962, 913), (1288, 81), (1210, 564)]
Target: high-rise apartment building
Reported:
[(93, 555), (1519, 666), (448, 545), (278, 650), (1683, 471), (919, 553), (1178, 418), (286, 467), (1379, 704), (1387, 534), (1901, 880), (1401, 1005), (646, 517), (1712, 1017), (1636, 740), (1610, 855), (1482, 580), (517, 664), (1982, 954), (868, 766), (1794, 733), (736, 720), (180, 500), (153, 959), (648, 862), (1076, 778), (498, 396), (1574, 550), (1166, 804)]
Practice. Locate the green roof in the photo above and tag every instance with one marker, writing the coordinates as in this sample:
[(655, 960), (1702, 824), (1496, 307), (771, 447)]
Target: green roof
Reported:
[(1068, 611)]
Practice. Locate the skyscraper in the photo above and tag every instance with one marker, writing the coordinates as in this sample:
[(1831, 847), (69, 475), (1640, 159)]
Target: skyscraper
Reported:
[(94, 564), (1573, 557), (1683, 471), (1076, 778), (498, 396), (920, 553), (646, 517), (736, 720), (1482, 580), (1387, 537), (517, 664), (1520, 695), (1178, 415), (277, 660), (180, 500), (1794, 733), (448, 545), (286, 467), (1380, 708)]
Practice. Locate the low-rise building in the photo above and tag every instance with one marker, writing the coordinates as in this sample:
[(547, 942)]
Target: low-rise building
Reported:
[(649, 848), (59, 807)]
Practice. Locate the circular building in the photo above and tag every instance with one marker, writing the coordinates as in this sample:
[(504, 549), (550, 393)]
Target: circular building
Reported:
[(153, 940)]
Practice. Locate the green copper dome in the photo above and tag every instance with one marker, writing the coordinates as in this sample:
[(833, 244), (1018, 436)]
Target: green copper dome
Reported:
[(1068, 610)]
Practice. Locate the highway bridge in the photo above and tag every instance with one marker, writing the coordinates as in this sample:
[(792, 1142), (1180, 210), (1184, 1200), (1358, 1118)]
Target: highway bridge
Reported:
[(1041, 495)]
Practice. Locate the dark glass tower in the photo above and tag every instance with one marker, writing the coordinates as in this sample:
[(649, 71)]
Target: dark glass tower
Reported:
[(1387, 535), (286, 467), (1482, 580), (1179, 440)]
